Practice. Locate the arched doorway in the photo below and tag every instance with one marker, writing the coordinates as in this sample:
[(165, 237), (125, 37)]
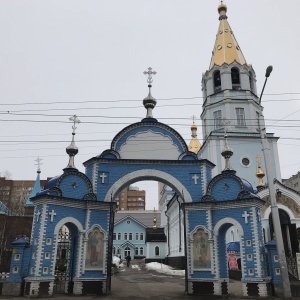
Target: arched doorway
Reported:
[(289, 233), (65, 262)]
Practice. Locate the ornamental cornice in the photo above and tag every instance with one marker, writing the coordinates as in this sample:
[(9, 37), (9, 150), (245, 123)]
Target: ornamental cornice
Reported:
[(224, 204), (68, 202), (149, 162)]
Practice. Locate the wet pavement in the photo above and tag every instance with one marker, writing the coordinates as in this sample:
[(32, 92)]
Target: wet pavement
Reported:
[(139, 283)]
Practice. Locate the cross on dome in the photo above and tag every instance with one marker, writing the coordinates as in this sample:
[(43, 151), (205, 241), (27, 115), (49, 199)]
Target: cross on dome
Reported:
[(72, 150), (149, 102), (75, 120), (38, 164), (150, 73)]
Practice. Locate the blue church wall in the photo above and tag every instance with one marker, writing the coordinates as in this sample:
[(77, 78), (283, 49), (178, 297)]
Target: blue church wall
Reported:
[(110, 171)]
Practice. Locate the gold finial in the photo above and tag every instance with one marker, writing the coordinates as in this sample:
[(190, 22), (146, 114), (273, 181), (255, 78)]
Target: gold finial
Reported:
[(194, 145), (154, 219), (259, 174)]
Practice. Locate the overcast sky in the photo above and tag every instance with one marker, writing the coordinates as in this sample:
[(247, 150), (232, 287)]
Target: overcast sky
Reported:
[(60, 58)]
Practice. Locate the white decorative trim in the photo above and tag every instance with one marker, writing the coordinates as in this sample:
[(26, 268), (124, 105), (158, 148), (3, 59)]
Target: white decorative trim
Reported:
[(280, 206), (67, 220), (95, 177), (40, 246), (155, 174)]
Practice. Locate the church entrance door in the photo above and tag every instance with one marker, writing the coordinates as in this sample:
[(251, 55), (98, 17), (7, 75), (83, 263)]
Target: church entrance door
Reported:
[(64, 264)]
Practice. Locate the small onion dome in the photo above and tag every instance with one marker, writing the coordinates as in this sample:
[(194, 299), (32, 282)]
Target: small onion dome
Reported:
[(149, 103), (222, 9), (227, 152), (260, 175)]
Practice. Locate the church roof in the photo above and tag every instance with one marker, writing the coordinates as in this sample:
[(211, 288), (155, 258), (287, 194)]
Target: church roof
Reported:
[(36, 189), (226, 48), (155, 235), (144, 217)]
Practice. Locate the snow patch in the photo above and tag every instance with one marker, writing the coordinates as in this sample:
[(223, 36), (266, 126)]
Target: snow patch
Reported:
[(161, 268)]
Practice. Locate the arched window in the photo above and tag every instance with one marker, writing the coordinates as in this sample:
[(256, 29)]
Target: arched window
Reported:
[(217, 81), (114, 250), (251, 81), (136, 251), (156, 251), (235, 79), (141, 251)]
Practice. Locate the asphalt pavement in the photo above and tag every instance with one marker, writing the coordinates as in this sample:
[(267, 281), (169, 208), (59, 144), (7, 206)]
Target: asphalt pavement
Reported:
[(139, 283)]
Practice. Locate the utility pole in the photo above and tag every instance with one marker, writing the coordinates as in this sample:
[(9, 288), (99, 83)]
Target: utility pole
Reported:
[(274, 208)]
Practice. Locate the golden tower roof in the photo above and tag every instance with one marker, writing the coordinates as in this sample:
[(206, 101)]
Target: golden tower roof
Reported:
[(259, 174), (226, 49), (194, 145)]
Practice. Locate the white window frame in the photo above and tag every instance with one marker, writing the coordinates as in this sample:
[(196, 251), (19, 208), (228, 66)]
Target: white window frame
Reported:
[(240, 117), (218, 119)]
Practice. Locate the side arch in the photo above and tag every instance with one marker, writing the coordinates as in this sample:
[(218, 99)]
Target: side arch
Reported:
[(148, 174)]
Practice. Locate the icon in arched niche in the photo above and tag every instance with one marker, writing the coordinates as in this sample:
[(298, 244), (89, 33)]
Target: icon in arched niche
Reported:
[(95, 247), (201, 250)]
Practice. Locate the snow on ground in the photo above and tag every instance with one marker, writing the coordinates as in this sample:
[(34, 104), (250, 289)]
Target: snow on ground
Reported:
[(136, 267), (161, 268), (117, 261)]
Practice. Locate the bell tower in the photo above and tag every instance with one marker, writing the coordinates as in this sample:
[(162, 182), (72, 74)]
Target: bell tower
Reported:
[(230, 96)]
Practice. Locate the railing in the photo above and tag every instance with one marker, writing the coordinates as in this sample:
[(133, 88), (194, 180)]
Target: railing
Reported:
[(292, 266), (3, 276)]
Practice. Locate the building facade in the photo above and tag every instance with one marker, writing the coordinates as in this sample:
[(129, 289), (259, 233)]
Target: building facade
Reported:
[(131, 198)]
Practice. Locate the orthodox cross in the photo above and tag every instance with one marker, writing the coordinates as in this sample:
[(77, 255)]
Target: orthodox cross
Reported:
[(245, 215), (193, 118), (52, 214), (75, 120), (258, 157), (149, 73), (38, 213), (195, 177), (225, 123), (103, 176), (38, 164)]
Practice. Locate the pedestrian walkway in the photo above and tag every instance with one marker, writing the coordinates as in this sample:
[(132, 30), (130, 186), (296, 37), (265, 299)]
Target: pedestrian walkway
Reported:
[(138, 283)]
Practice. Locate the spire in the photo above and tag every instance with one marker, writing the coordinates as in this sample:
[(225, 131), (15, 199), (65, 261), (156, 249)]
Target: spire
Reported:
[(149, 102), (154, 219), (259, 174), (72, 150), (194, 145), (227, 152), (37, 185), (226, 49)]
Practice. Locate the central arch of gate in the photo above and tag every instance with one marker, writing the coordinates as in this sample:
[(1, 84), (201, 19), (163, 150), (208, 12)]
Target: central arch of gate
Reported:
[(149, 150)]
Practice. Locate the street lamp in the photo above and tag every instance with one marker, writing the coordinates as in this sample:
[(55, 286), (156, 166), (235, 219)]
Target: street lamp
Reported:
[(274, 208)]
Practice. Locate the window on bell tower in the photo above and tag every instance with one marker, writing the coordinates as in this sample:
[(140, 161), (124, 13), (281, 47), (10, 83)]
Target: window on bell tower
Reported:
[(251, 81), (218, 119), (235, 79), (240, 117), (217, 81)]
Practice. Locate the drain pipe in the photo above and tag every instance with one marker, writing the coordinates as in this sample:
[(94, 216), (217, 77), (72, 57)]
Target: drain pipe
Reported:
[(168, 228), (185, 247), (179, 220)]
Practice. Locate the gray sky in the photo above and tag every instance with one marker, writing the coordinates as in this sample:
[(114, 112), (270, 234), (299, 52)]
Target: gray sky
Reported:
[(87, 57)]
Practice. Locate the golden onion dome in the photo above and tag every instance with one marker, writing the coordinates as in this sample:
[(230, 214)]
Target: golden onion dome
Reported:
[(222, 7)]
